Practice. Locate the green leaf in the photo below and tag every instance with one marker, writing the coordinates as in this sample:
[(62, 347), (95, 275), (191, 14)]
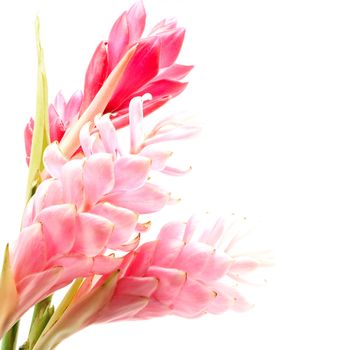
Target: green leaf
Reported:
[(42, 313), (77, 315), (41, 133), (67, 300), (8, 294)]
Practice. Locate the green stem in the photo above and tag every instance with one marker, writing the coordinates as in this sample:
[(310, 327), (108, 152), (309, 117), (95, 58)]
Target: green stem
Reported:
[(9, 341), (41, 316)]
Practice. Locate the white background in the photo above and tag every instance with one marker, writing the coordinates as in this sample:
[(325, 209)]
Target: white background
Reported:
[(272, 88)]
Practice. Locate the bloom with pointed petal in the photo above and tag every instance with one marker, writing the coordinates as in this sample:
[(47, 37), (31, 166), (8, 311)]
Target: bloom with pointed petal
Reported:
[(85, 206), (151, 70), (188, 271)]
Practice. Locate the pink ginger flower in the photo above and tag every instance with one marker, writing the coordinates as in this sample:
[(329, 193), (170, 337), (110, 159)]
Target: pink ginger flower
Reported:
[(151, 69), (86, 206), (188, 271)]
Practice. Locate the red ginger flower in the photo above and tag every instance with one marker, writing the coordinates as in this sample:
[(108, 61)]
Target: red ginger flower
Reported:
[(152, 69)]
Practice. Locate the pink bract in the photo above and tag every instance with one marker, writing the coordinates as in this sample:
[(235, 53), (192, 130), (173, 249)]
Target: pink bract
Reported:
[(189, 270), (90, 204)]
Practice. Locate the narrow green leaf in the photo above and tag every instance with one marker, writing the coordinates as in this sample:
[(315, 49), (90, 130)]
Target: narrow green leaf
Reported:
[(8, 294), (78, 314), (41, 316), (67, 300), (41, 133)]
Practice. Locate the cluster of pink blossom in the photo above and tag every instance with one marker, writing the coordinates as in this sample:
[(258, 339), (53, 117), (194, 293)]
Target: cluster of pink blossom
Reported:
[(94, 189)]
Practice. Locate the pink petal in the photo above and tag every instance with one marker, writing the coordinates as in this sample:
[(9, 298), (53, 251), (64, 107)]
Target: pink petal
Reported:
[(57, 128), (244, 265), (75, 265), (171, 43), (179, 133), (97, 144), (72, 181), (98, 176), (158, 156), (160, 89), (212, 235), (223, 301), (142, 260), (135, 120), (122, 307), (72, 107), (136, 21), (172, 171), (144, 200), (103, 265), (137, 286), (36, 287), (143, 226), (60, 103), (191, 227), (194, 258), (167, 252), (193, 299), (107, 133), (170, 283), (95, 74), (49, 192), (58, 227), (86, 139), (28, 134), (172, 230), (142, 67), (217, 267), (92, 234), (54, 160), (118, 40), (163, 25), (153, 309), (29, 213), (123, 219), (174, 72), (130, 245), (131, 172), (148, 107), (29, 255)]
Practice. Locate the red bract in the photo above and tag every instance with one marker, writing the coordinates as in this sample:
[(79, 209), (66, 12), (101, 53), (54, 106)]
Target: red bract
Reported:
[(152, 69)]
